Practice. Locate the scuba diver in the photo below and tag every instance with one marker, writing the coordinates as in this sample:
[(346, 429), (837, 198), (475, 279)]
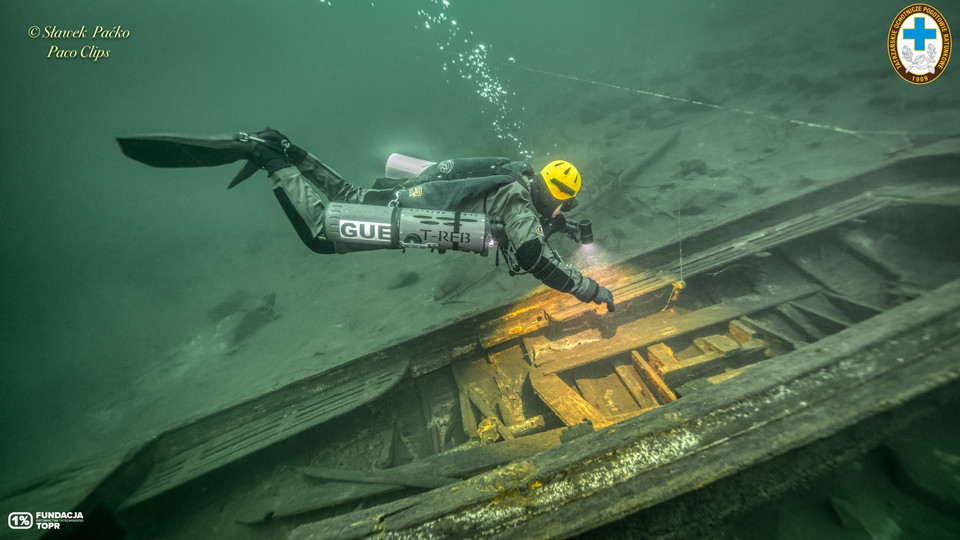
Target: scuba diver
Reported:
[(469, 204)]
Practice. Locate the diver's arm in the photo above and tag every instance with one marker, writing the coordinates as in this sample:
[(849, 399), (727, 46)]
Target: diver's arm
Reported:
[(536, 258), (525, 234)]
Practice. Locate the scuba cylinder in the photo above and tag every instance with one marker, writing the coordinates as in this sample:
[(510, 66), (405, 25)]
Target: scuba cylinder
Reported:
[(401, 166), (394, 227)]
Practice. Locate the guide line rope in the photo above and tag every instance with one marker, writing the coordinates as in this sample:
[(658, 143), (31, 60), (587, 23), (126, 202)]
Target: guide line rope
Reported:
[(827, 127)]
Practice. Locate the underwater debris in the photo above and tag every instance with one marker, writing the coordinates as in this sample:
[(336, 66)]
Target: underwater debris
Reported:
[(232, 304), (688, 166), (404, 279), (636, 171), (448, 286), (255, 319)]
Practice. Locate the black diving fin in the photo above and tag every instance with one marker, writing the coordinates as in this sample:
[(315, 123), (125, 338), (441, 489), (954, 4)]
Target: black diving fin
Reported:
[(170, 150)]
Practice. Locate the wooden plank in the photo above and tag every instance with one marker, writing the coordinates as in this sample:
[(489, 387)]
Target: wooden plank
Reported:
[(741, 331), (543, 348), (862, 246), (456, 463), (510, 371), (517, 323), (728, 374), (567, 404), (713, 363), (773, 333), (831, 317), (607, 394), (662, 358), (245, 438), (836, 269), (467, 417), (801, 321), (436, 437), (483, 405), (856, 309), (634, 384), (720, 344), (661, 326), (528, 426), (652, 378), (388, 476), (477, 380)]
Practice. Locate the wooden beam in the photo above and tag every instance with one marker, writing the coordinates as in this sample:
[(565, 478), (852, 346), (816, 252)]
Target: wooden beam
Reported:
[(467, 417), (634, 383), (510, 371), (607, 394), (741, 332), (662, 358), (388, 476), (713, 363), (653, 380), (456, 463), (720, 344), (662, 326), (801, 321), (566, 403)]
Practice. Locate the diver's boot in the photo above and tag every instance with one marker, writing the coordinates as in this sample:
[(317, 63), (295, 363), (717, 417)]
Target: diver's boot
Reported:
[(272, 142), (270, 150)]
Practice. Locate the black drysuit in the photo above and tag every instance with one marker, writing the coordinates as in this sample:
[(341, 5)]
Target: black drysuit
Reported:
[(496, 187)]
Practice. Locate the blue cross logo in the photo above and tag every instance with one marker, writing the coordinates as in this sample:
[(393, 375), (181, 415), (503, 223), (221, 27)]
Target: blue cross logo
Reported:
[(919, 33)]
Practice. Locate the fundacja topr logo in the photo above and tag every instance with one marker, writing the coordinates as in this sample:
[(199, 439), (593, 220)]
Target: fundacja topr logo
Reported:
[(919, 43), (42, 520)]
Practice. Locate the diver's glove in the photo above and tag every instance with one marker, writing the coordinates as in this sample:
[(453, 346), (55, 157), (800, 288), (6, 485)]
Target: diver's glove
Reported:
[(604, 296), (596, 293)]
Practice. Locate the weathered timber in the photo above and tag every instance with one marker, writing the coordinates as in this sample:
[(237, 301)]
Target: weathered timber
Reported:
[(773, 333), (653, 378), (774, 407), (741, 332), (468, 420), (714, 363), (822, 316), (661, 326), (510, 370), (454, 463), (565, 402), (85, 487), (859, 310), (528, 426), (388, 476), (825, 308), (720, 344), (801, 321), (661, 357), (189, 453), (513, 325), (482, 404), (606, 393), (634, 383), (722, 244)]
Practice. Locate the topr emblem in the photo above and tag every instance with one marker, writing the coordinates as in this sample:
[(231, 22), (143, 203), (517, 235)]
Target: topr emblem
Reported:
[(919, 43), (445, 166)]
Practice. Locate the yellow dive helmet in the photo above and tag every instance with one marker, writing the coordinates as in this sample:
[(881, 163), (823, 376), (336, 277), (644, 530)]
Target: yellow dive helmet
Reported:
[(562, 179)]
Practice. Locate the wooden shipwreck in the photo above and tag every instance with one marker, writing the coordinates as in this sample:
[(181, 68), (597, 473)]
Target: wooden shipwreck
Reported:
[(800, 335)]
